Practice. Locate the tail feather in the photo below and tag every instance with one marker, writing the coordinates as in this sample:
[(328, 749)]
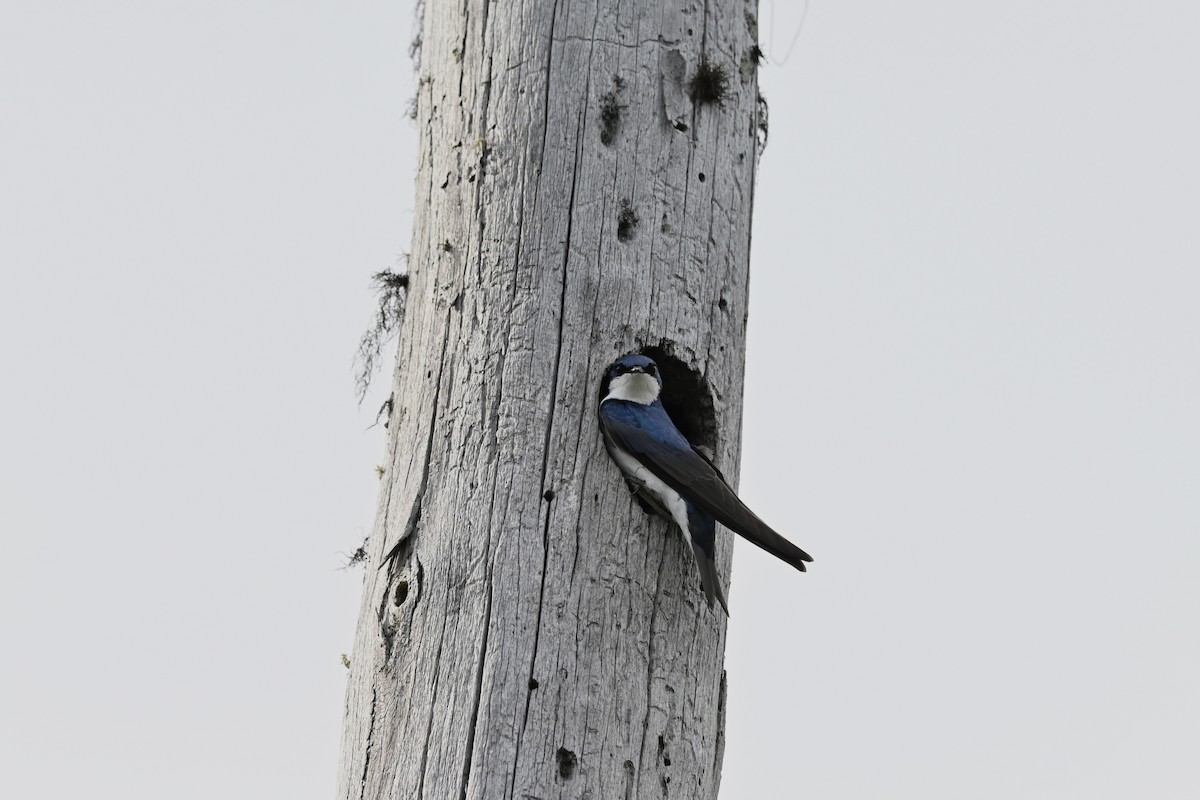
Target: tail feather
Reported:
[(764, 537), (710, 581)]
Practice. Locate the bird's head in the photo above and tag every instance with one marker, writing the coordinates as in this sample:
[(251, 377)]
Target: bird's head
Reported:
[(633, 377)]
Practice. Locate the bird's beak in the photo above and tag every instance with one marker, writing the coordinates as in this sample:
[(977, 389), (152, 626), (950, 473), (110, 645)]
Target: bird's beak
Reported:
[(637, 369)]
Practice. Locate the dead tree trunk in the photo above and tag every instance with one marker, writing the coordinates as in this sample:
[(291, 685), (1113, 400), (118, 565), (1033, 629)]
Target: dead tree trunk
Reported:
[(585, 183)]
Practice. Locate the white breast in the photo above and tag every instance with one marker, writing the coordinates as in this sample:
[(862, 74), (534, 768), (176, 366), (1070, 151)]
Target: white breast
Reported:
[(637, 387)]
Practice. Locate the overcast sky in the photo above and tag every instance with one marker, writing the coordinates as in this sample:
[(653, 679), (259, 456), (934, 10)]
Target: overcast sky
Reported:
[(972, 393)]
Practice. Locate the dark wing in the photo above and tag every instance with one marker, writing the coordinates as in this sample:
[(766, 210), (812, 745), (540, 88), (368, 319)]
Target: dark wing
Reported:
[(689, 473)]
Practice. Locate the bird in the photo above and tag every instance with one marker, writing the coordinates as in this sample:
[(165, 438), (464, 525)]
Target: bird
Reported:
[(671, 477)]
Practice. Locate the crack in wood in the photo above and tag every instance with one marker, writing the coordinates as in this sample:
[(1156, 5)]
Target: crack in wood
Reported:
[(367, 756), (478, 696), (541, 158), (719, 749), (650, 657), (431, 709)]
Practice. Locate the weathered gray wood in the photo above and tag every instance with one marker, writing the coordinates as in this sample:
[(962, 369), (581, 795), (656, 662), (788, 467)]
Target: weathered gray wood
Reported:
[(539, 636)]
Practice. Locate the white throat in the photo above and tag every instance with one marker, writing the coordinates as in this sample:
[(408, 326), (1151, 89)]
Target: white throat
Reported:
[(637, 387)]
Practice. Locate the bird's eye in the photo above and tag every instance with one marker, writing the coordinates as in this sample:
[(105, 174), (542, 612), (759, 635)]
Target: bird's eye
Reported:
[(651, 370)]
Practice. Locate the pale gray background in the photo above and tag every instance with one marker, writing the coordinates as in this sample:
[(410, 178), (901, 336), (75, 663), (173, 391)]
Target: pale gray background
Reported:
[(974, 374)]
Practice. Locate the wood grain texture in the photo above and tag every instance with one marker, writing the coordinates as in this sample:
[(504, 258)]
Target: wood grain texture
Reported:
[(538, 636)]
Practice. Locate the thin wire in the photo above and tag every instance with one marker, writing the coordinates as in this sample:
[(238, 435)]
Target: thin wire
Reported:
[(795, 36)]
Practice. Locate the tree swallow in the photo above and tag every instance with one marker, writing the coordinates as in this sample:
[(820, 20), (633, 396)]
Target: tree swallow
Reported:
[(669, 476)]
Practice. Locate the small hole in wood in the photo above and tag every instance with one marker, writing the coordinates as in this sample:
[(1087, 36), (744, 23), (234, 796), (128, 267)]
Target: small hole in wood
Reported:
[(567, 762), (627, 221)]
